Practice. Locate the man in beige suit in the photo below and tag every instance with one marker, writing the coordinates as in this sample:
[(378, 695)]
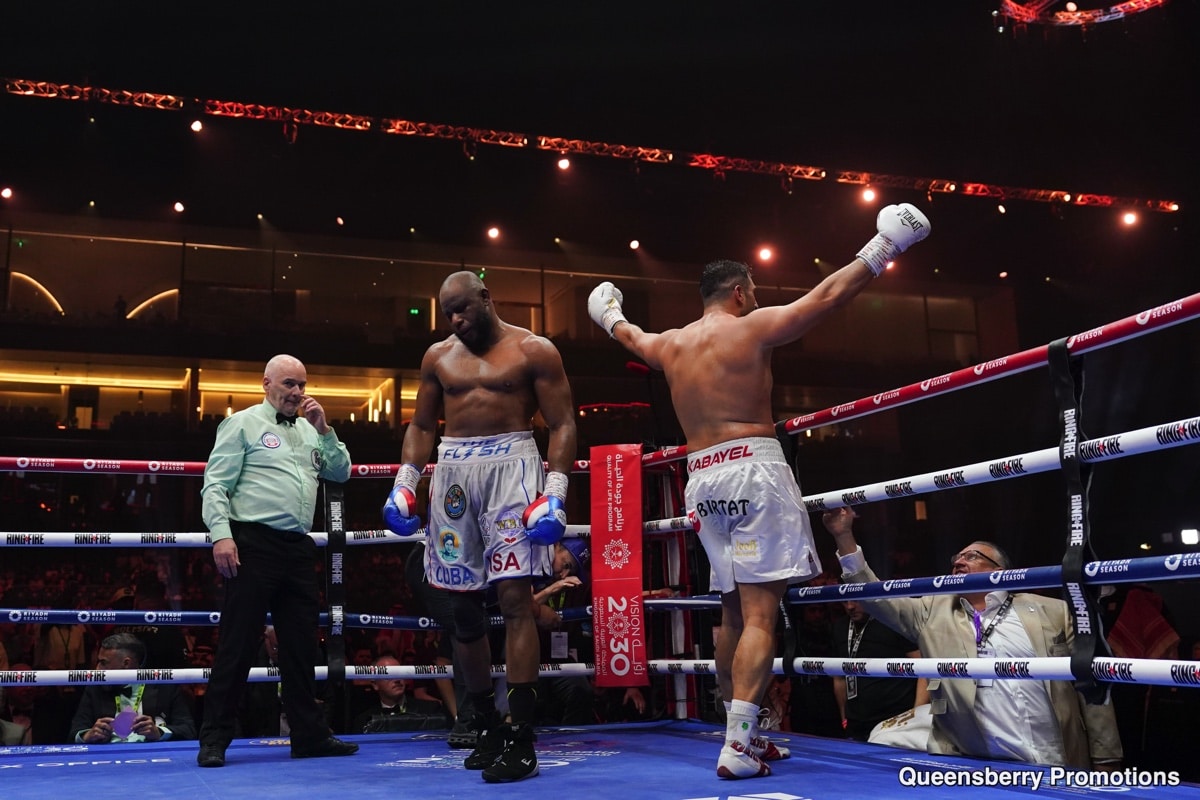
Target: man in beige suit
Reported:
[(1040, 722)]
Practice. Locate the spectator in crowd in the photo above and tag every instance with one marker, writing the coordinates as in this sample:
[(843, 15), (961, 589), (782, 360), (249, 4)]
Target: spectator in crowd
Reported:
[(1037, 722), (17, 708), (395, 709), (865, 702), (563, 699), (133, 712)]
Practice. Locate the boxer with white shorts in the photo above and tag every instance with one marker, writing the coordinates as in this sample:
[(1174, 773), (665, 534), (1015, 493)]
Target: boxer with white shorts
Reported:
[(746, 502), (752, 520), (494, 517), (476, 497)]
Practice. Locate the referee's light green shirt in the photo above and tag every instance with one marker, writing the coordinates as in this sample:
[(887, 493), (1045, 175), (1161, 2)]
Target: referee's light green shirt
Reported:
[(265, 471)]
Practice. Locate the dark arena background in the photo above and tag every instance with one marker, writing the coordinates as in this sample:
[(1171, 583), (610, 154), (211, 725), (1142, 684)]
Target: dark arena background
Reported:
[(185, 193)]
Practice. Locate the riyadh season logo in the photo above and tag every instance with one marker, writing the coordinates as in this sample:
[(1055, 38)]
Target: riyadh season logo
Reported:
[(1003, 575), (1158, 311), (1178, 560), (892, 395)]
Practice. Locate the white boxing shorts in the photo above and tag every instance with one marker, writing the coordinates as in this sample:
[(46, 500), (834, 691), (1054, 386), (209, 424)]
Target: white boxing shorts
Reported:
[(479, 489), (753, 523)]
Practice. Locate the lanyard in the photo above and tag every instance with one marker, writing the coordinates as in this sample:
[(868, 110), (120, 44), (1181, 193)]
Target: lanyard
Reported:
[(136, 699), (981, 636), (854, 637)]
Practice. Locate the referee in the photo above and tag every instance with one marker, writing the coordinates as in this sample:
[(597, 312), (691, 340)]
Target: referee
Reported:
[(258, 500)]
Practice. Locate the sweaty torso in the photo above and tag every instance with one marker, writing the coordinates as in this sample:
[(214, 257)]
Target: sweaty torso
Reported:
[(489, 393), (720, 379)]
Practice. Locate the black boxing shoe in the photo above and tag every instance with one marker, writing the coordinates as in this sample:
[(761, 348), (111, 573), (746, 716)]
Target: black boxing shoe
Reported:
[(490, 743), (518, 761), (332, 746)]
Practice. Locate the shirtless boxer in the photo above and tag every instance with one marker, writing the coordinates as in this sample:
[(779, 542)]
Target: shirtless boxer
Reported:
[(740, 492), (494, 516)]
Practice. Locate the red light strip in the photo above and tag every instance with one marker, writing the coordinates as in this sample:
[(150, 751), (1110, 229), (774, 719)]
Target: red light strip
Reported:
[(720, 165)]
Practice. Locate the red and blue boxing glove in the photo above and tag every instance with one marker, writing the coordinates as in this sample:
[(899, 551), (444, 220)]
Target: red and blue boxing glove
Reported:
[(400, 510), (545, 519)]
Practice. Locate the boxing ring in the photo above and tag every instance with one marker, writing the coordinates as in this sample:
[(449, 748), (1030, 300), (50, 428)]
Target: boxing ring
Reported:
[(673, 758)]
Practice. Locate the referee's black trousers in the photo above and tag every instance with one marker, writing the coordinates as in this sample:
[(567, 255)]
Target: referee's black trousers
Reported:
[(277, 575)]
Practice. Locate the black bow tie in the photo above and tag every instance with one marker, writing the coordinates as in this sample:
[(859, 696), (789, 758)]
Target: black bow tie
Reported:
[(284, 419)]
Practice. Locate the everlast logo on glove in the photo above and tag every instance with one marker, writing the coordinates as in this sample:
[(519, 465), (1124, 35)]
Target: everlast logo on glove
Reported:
[(910, 219)]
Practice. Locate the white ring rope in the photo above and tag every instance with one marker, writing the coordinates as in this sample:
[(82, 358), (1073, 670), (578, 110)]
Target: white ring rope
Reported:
[(1141, 671), (1130, 443), (201, 539)]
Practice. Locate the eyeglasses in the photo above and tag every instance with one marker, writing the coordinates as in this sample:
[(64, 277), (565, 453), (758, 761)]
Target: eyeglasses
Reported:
[(972, 555)]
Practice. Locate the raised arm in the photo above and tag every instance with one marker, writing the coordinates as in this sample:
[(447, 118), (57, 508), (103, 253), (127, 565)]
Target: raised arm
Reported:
[(604, 307), (905, 615), (899, 227)]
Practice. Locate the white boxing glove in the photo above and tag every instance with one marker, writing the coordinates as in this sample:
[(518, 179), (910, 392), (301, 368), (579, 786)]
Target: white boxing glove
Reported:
[(900, 227), (604, 306)]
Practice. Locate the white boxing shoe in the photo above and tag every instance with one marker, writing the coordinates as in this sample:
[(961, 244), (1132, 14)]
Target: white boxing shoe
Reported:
[(767, 750), (737, 761)]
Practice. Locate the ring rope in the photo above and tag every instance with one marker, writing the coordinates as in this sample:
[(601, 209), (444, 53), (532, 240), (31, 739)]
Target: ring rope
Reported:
[(1135, 442), (1148, 321), (54, 616), (1141, 671), (202, 539)]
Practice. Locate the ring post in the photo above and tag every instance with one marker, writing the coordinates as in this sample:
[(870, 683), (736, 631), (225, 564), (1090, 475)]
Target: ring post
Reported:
[(620, 632), (1067, 380)]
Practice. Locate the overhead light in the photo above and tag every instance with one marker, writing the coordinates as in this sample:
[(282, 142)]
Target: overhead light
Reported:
[(1189, 536)]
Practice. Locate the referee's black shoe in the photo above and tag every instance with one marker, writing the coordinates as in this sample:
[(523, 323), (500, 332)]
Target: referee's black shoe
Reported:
[(211, 755), (332, 746)]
